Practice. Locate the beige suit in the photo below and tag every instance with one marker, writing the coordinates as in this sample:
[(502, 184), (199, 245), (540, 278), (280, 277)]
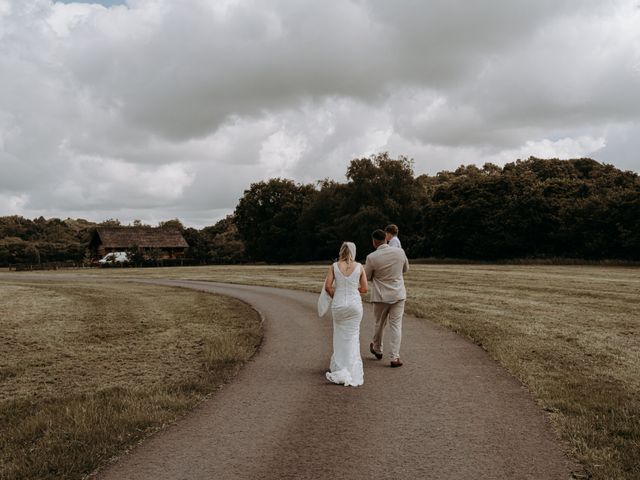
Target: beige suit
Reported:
[(385, 268)]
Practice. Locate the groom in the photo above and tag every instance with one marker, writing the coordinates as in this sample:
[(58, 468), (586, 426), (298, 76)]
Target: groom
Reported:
[(384, 269)]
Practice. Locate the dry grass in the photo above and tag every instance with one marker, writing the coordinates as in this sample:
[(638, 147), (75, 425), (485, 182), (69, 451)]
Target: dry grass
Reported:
[(88, 369), (570, 333)]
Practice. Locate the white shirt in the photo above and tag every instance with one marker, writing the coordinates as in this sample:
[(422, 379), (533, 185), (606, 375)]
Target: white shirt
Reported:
[(395, 242)]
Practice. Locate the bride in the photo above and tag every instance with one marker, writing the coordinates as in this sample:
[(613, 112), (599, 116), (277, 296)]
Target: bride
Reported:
[(345, 281)]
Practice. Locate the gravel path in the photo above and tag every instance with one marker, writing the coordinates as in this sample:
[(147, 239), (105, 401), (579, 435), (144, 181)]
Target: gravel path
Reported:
[(449, 413)]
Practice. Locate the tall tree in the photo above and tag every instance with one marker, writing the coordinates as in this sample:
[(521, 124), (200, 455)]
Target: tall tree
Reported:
[(267, 219)]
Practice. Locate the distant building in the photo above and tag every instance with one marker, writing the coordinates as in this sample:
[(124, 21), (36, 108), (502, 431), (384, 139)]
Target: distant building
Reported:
[(159, 243)]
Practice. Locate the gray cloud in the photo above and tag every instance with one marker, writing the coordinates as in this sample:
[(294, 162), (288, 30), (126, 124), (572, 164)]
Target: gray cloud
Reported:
[(155, 109)]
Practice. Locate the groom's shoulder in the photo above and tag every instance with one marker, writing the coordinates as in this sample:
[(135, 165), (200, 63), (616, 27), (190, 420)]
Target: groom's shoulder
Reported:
[(373, 255)]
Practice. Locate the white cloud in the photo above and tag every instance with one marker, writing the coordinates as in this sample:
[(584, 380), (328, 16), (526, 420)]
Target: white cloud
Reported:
[(64, 19), (120, 184), (157, 108), (564, 148), (13, 202), (280, 152), (5, 7)]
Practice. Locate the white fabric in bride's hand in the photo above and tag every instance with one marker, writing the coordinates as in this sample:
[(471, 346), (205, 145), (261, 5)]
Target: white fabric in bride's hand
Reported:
[(324, 302)]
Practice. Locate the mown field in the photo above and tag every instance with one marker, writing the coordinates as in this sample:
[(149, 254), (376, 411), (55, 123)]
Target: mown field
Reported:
[(87, 369), (570, 333)]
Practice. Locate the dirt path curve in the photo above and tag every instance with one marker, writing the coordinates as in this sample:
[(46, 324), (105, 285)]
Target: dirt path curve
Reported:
[(449, 413)]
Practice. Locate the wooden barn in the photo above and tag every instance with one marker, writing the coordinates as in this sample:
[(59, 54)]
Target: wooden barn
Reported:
[(159, 243)]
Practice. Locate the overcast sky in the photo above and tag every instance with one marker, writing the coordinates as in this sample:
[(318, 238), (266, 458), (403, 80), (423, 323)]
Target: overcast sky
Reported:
[(156, 109)]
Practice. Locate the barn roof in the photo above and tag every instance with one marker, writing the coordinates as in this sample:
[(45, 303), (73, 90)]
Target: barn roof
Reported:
[(144, 237)]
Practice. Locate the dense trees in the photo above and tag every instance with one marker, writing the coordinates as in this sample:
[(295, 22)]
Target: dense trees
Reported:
[(219, 243), (267, 219), (40, 240), (533, 208), (282, 221)]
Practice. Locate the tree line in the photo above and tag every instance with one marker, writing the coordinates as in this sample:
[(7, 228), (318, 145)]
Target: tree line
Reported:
[(40, 241), (527, 209)]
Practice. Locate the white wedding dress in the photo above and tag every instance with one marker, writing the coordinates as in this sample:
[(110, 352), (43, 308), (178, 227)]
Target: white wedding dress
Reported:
[(346, 308)]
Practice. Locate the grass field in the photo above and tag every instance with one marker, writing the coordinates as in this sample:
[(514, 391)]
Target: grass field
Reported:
[(88, 369), (570, 333)]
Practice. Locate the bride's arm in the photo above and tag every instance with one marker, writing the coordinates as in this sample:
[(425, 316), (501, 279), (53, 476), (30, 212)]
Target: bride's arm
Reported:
[(364, 286), (328, 282)]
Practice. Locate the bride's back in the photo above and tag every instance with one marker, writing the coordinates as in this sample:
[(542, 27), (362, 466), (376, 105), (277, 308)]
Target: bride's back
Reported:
[(346, 292)]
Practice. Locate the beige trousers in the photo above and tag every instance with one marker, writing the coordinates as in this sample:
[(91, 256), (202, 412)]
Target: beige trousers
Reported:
[(388, 313)]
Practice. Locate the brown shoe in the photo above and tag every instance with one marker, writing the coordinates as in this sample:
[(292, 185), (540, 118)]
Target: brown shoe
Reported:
[(396, 363), (375, 354)]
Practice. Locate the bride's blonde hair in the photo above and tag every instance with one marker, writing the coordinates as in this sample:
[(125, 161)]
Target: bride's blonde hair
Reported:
[(345, 253)]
